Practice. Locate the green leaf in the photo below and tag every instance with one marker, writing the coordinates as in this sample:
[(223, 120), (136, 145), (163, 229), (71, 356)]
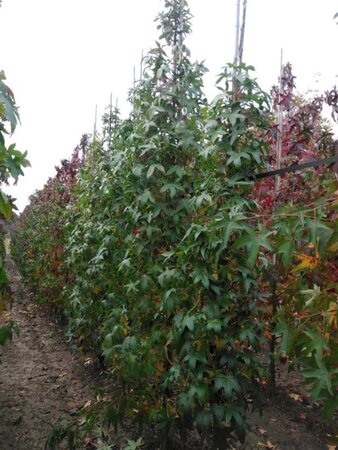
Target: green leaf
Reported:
[(316, 343), (200, 391), (152, 168), (219, 411), (214, 325), (323, 380), (253, 241), (228, 383), (6, 333), (189, 322), (201, 275), (285, 250), (203, 420), (172, 188), (147, 197), (5, 206)]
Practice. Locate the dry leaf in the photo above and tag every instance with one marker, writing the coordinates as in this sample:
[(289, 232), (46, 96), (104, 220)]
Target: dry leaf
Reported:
[(307, 262), (268, 445), (296, 397)]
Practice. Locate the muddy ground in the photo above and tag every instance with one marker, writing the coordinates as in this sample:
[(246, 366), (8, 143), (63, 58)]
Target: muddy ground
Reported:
[(42, 383)]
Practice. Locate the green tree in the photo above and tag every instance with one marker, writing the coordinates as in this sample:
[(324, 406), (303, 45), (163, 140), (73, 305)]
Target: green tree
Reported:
[(12, 161)]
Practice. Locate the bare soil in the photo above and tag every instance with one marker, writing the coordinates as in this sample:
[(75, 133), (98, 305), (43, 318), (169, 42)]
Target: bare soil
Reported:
[(42, 383)]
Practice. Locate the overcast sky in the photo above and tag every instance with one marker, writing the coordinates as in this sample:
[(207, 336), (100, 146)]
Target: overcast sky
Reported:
[(62, 57)]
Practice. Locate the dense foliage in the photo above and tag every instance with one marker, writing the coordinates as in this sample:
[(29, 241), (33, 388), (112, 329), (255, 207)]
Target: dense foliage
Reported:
[(12, 161), (170, 264), (43, 236)]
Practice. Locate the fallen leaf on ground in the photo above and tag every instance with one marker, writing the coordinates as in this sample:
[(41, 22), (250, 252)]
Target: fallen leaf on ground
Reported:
[(296, 397), (269, 445)]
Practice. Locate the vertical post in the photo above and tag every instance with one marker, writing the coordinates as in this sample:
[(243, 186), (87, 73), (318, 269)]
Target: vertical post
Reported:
[(110, 118), (141, 66), (95, 122), (280, 126), (274, 276), (241, 40), (237, 32), (181, 25), (236, 56), (134, 86)]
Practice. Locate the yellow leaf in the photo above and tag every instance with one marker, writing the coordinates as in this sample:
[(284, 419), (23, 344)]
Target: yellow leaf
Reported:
[(333, 314), (333, 247), (307, 262), (219, 343)]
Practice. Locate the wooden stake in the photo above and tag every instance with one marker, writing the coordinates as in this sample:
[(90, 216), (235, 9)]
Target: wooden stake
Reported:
[(237, 32), (241, 41), (141, 67), (280, 126), (181, 25), (95, 122), (110, 118)]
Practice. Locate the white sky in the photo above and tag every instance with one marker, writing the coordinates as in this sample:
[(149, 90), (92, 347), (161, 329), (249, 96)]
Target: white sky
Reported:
[(62, 57)]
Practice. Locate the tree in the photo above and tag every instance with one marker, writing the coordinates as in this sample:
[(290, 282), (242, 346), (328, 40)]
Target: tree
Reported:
[(11, 163)]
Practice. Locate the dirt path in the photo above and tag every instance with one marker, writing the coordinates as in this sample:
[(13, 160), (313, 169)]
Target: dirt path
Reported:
[(41, 382)]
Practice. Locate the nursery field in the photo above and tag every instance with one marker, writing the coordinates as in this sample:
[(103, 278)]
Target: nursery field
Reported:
[(43, 385), (174, 285)]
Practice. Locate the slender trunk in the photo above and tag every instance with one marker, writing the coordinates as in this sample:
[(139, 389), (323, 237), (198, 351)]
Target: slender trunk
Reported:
[(272, 386)]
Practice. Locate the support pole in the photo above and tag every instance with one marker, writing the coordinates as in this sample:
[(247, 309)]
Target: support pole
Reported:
[(95, 122), (141, 66), (110, 119), (237, 32), (241, 40), (280, 127)]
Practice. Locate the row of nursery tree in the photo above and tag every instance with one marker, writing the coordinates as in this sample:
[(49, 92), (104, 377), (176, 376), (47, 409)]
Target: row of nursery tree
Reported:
[(12, 162), (187, 277)]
